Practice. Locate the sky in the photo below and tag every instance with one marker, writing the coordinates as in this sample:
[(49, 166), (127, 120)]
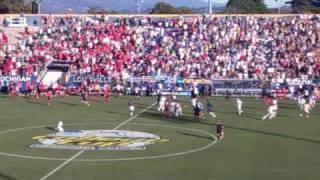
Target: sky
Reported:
[(269, 3)]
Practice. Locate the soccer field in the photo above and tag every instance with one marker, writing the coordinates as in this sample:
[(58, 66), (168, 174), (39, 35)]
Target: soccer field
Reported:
[(286, 148)]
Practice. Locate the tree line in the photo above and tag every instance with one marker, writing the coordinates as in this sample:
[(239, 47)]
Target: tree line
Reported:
[(233, 6)]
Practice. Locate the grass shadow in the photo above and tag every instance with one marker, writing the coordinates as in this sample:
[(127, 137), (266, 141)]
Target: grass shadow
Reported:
[(177, 120), (274, 134), (196, 135), (69, 104), (288, 107), (249, 116), (250, 107), (51, 128), (36, 102), (4, 96), (116, 113), (6, 177), (96, 100)]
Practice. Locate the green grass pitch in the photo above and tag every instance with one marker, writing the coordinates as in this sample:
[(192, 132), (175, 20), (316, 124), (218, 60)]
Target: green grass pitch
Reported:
[(286, 148)]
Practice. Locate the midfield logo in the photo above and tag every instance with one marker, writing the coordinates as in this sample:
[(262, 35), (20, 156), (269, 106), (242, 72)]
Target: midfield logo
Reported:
[(98, 140)]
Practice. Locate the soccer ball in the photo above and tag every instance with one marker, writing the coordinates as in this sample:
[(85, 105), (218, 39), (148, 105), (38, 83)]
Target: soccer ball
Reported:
[(301, 115)]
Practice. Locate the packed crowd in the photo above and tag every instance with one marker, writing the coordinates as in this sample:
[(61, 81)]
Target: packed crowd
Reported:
[(240, 47)]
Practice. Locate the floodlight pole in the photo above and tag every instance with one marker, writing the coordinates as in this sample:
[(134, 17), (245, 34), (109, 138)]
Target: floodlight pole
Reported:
[(279, 8), (39, 6), (210, 7), (139, 4)]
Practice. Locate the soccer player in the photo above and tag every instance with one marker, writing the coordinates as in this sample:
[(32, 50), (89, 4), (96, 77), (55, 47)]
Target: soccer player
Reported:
[(210, 109), (272, 110), (162, 102), (106, 94), (49, 96), (118, 89), (172, 108), (137, 92), (36, 92), (158, 96), (13, 90), (313, 101), (84, 98), (178, 110), (60, 126), (227, 96), (306, 108), (194, 91), (131, 107), (220, 130), (239, 106), (194, 102), (197, 110), (167, 109), (301, 101)]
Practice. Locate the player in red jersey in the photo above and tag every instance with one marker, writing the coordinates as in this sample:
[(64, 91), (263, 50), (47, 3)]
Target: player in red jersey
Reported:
[(106, 94), (267, 100), (12, 89), (49, 97), (29, 88), (166, 109)]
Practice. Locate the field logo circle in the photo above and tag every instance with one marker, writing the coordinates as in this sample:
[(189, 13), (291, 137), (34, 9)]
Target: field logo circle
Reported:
[(210, 135), (97, 140)]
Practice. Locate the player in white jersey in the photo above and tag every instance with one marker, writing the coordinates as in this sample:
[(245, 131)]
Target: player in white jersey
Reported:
[(131, 107), (194, 102), (306, 108), (178, 110), (162, 103), (272, 110), (301, 101), (60, 126), (239, 106), (313, 101), (174, 97), (172, 108)]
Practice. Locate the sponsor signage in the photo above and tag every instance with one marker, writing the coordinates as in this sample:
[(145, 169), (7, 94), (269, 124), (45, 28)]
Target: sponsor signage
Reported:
[(97, 140), (296, 82), (176, 93), (180, 80), (166, 79), (197, 81), (79, 79), (15, 79)]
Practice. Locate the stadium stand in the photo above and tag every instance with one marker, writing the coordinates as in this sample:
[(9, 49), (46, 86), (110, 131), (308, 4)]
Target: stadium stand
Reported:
[(267, 48)]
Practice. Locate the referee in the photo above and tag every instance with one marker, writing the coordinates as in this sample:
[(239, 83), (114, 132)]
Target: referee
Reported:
[(220, 130)]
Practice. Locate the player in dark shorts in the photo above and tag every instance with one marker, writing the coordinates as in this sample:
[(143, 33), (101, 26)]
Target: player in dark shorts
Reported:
[(227, 98), (84, 98), (36, 92), (158, 97), (210, 109), (220, 130), (193, 94), (197, 112)]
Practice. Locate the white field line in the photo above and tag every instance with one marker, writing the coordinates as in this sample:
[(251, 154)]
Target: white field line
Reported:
[(80, 152), (135, 116), (61, 165)]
